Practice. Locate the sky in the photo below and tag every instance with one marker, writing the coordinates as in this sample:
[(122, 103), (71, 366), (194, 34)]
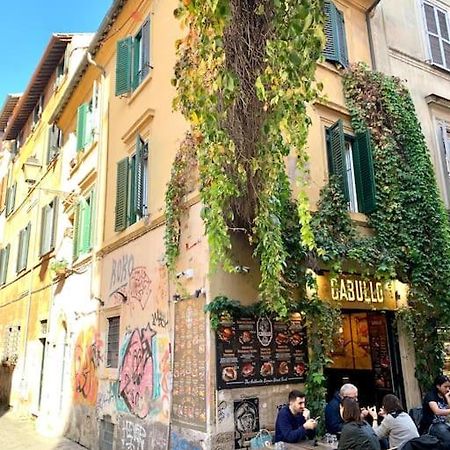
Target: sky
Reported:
[(25, 30)]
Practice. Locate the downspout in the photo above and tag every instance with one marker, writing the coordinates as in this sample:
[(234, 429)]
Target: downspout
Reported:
[(369, 32)]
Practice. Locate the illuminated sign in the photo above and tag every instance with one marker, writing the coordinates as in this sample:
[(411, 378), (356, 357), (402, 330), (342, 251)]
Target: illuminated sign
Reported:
[(356, 292)]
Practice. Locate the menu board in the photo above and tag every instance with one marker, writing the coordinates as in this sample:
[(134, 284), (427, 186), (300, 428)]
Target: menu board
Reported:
[(379, 349), (189, 374), (254, 351)]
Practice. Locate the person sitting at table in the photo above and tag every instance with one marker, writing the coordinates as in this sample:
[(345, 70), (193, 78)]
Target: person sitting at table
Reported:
[(356, 434), (397, 425), (333, 419), (291, 425)]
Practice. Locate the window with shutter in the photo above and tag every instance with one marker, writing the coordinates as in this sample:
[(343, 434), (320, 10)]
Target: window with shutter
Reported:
[(76, 232), (83, 229), (350, 158), (438, 33), (54, 142), (22, 254), (334, 29), (444, 145), (141, 176), (133, 60), (10, 199), (48, 227), (121, 195), (81, 126), (123, 66), (4, 259)]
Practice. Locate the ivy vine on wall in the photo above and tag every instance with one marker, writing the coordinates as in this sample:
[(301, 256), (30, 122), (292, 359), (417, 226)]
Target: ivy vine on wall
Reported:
[(411, 240)]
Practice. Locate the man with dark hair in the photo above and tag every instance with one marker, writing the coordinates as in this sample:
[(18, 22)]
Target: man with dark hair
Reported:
[(291, 425)]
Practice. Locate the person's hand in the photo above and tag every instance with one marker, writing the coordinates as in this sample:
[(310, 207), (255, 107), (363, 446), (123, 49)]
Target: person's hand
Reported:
[(382, 412), (373, 412), (310, 424), (364, 412), (306, 413)]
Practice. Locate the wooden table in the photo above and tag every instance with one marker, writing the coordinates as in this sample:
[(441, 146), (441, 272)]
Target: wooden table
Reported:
[(307, 445)]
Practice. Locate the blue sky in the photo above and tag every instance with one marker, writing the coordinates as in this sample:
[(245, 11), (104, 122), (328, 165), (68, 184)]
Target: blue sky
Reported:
[(25, 30)]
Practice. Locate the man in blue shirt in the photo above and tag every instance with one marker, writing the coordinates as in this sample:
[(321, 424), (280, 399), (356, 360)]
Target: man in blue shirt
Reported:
[(291, 425)]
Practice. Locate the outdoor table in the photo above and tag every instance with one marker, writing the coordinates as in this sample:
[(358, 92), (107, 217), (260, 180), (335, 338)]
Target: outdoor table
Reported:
[(307, 445)]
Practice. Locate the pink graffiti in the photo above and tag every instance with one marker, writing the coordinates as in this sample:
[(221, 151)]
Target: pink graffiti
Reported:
[(136, 372), (139, 286)]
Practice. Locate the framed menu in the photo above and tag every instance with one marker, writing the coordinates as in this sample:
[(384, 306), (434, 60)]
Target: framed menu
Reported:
[(254, 351), (189, 375)]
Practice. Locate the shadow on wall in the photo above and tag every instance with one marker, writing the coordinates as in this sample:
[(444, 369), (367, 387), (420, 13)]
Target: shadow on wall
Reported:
[(6, 374)]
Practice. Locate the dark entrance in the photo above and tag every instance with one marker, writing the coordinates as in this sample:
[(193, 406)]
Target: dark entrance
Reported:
[(367, 356)]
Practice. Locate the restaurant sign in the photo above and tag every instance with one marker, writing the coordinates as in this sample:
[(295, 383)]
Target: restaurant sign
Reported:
[(357, 292)]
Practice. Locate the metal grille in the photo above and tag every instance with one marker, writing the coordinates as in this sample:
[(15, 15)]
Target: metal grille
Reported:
[(112, 357), (11, 344), (106, 434)]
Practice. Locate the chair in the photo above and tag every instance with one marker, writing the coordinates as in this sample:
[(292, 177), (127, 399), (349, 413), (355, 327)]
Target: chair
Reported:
[(416, 415)]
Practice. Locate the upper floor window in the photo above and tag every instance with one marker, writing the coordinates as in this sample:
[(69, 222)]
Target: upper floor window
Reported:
[(82, 231), (37, 111), (54, 143), (350, 158), (444, 147), (132, 187), (61, 70), (87, 121), (112, 352), (133, 60), (4, 259), (10, 199), (22, 250), (48, 227), (437, 29), (334, 28)]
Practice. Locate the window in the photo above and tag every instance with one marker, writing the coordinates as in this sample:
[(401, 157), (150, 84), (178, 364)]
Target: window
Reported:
[(10, 199), (334, 28), (37, 111), (112, 354), (54, 144), (132, 187), (133, 60), (350, 158), (87, 120), (444, 145), (106, 433), (82, 233), (22, 253), (4, 259), (48, 227), (11, 344), (61, 70), (437, 29)]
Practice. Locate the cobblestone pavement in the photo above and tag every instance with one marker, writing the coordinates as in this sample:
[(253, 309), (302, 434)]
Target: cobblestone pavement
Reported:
[(17, 433)]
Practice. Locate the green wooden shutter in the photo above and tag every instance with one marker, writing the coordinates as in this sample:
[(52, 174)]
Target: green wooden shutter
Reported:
[(26, 245), (121, 195), (43, 236), (364, 174), (76, 232), (139, 184), (86, 225), (123, 66), (337, 155), (4, 264), (145, 58), (342, 48), (132, 190), (81, 126), (19, 251), (336, 45), (54, 223), (136, 77), (7, 202)]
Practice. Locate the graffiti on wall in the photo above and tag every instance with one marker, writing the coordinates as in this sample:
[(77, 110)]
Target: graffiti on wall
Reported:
[(87, 358), (133, 435), (129, 284), (136, 371), (246, 420), (178, 442), (159, 319)]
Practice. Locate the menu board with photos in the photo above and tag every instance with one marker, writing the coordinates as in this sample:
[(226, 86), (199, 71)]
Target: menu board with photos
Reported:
[(189, 375), (379, 349), (254, 351)]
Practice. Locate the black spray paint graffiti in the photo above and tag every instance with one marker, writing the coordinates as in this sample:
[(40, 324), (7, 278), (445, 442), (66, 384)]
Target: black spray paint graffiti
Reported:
[(121, 271), (159, 319), (246, 420), (136, 372)]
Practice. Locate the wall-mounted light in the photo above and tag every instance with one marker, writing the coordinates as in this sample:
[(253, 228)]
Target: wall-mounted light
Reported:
[(31, 168)]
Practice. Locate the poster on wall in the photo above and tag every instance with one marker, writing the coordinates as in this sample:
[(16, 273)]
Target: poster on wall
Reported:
[(246, 421), (189, 372), (254, 351)]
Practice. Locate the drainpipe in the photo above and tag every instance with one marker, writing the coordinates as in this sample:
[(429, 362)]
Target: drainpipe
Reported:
[(369, 32)]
